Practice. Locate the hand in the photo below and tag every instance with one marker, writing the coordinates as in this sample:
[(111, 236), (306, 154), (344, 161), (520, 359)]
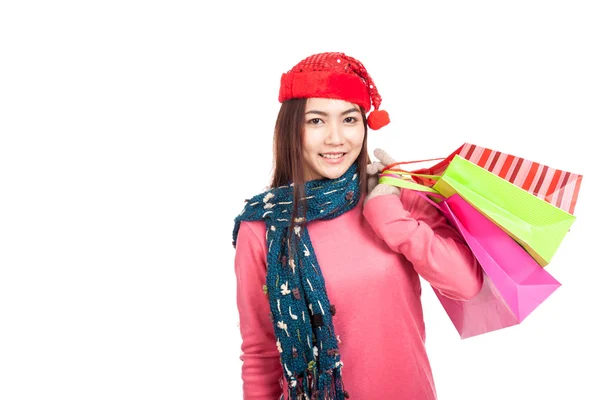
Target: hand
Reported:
[(374, 188)]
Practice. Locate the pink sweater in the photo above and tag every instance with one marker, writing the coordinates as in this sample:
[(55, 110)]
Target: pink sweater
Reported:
[(371, 258)]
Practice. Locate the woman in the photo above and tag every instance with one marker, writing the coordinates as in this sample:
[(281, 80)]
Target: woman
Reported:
[(328, 261)]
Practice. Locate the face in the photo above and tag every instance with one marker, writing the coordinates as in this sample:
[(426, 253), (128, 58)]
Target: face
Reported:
[(333, 137)]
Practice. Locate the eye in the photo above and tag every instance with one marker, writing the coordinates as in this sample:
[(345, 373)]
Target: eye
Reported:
[(314, 121), (350, 120)]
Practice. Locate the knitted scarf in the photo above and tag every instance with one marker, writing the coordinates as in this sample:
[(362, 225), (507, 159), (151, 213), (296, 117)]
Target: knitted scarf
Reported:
[(300, 309)]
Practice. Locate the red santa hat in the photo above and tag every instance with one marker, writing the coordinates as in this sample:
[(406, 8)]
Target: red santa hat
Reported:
[(334, 76)]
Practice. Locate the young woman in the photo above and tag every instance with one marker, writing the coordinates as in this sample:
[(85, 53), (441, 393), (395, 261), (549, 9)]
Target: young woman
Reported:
[(328, 261)]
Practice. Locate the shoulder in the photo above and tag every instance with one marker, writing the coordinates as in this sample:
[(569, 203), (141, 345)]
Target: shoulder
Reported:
[(255, 228), (252, 234), (250, 250), (414, 201)]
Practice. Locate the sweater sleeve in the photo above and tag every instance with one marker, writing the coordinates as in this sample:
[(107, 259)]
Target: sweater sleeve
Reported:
[(261, 368), (411, 226)]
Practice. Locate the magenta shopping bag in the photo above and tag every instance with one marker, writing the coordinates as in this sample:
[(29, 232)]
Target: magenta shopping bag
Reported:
[(514, 283)]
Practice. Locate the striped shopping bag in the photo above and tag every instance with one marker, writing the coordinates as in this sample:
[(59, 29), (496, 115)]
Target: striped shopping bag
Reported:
[(557, 187)]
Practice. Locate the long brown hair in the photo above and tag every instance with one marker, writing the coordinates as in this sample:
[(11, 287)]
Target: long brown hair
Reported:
[(287, 152)]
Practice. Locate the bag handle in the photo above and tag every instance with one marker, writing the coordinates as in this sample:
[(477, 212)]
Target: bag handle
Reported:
[(414, 162), (390, 168), (424, 191), (395, 180), (392, 175), (433, 203)]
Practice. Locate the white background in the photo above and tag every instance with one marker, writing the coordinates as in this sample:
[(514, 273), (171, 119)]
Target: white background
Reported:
[(131, 132)]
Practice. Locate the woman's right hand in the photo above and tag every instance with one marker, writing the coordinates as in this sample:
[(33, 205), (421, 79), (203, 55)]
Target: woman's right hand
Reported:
[(374, 188)]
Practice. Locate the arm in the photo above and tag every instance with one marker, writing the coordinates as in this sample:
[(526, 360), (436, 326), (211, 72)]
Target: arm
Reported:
[(261, 368), (413, 227)]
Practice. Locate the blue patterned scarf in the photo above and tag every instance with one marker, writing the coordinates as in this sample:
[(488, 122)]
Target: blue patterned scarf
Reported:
[(300, 309)]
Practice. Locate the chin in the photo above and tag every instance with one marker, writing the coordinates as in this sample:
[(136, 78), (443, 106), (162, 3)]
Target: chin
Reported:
[(333, 173), (332, 176)]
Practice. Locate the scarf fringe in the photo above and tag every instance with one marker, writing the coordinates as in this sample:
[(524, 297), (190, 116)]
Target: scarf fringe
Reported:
[(327, 386)]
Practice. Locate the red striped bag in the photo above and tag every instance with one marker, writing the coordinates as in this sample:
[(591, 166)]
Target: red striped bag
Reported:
[(557, 187)]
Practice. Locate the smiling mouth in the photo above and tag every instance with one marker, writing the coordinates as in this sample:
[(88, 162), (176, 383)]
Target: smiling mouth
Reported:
[(332, 156)]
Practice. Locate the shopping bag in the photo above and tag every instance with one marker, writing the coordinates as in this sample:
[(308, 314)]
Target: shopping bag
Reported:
[(557, 187), (514, 283), (537, 225)]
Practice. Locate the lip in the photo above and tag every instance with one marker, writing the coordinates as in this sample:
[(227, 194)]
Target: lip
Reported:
[(333, 160)]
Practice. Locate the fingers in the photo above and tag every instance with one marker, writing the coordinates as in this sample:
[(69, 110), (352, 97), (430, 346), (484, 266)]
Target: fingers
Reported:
[(371, 169), (372, 181), (372, 175), (375, 168), (381, 190), (384, 157)]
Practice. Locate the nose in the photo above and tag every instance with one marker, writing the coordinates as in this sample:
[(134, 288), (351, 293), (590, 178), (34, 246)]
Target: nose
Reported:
[(335, 134)]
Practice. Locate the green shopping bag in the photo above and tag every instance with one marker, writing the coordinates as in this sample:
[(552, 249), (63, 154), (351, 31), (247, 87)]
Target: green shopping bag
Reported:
[(537, 225)]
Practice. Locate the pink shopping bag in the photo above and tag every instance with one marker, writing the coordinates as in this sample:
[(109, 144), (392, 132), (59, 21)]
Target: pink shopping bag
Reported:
[(514, 283)]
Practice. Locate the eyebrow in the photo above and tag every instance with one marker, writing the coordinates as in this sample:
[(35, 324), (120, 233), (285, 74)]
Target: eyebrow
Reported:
[(348, 111)]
